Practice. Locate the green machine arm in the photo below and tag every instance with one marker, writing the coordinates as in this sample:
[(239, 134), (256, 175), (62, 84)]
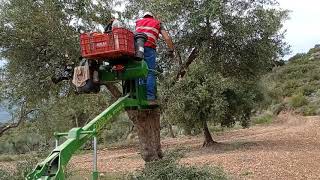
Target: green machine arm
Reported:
[(54, 165)]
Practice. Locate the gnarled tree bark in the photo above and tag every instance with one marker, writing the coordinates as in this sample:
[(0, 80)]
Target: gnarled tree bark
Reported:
[(208, 141), (147, 123)]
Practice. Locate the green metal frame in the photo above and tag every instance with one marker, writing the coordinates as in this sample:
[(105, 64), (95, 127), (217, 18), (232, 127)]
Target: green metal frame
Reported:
[(53, 167), (134, 70)]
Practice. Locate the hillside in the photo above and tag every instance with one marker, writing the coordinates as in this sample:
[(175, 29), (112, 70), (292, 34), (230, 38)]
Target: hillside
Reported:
[(296, 85)]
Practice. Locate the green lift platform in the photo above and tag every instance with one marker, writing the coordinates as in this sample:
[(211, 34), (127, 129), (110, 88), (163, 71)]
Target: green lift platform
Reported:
[(53, 167)]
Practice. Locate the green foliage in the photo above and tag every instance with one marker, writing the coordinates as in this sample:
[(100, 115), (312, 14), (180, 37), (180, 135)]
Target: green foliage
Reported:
[(298, 101), (314, 50), (298, 57), (237, 42), (113, 176), (264, 118), (296, 84), (277, 108), (199, 98), (168, 169), (207, 96), (36, 38), (299, 76), (118, 130), (309, 110), (21, 141)]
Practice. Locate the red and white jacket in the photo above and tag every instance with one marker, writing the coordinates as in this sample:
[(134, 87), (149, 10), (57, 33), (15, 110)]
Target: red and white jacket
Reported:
[(151, 27)]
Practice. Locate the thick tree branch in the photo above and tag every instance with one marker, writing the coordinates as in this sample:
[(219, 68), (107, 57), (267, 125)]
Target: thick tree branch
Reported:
[(22, 117), (183, 69), (116, 93)]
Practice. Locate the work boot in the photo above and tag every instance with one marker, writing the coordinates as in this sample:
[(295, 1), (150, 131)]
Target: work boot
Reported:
[(153, 103)]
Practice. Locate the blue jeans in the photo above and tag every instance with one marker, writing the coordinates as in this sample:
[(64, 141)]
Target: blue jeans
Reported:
[(150, 55)]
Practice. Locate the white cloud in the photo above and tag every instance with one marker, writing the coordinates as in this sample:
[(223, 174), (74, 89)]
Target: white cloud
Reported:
[(303, 27)]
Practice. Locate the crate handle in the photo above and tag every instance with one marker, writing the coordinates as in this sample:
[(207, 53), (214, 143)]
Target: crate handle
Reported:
[(116, 41), (90, 42)]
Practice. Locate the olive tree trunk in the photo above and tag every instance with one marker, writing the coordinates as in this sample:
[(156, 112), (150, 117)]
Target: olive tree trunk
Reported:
[(147, 123), (208, 141)]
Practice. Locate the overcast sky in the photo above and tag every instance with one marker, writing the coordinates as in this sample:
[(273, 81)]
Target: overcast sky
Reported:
[(303, 27)]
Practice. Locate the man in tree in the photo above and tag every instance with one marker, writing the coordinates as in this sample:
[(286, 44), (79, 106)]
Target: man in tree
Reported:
[(152, 28)]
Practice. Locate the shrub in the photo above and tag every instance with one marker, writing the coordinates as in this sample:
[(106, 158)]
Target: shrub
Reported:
[(308, 90), (21, 143), (289, 87), (264, 118), (297, 57), (169, 169), (309, 110), (278, 108), (117, 130), (298, 101), (313, 50)]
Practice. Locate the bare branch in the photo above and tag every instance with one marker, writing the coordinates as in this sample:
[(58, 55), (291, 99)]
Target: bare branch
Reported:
[(183, 69), (22, 117), (179, 57)]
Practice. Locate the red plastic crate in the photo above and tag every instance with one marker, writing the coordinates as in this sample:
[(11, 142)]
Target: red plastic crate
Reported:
[(107, 45)]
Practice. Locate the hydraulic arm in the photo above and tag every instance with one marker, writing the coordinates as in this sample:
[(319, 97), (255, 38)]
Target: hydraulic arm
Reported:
[(54, 165)]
